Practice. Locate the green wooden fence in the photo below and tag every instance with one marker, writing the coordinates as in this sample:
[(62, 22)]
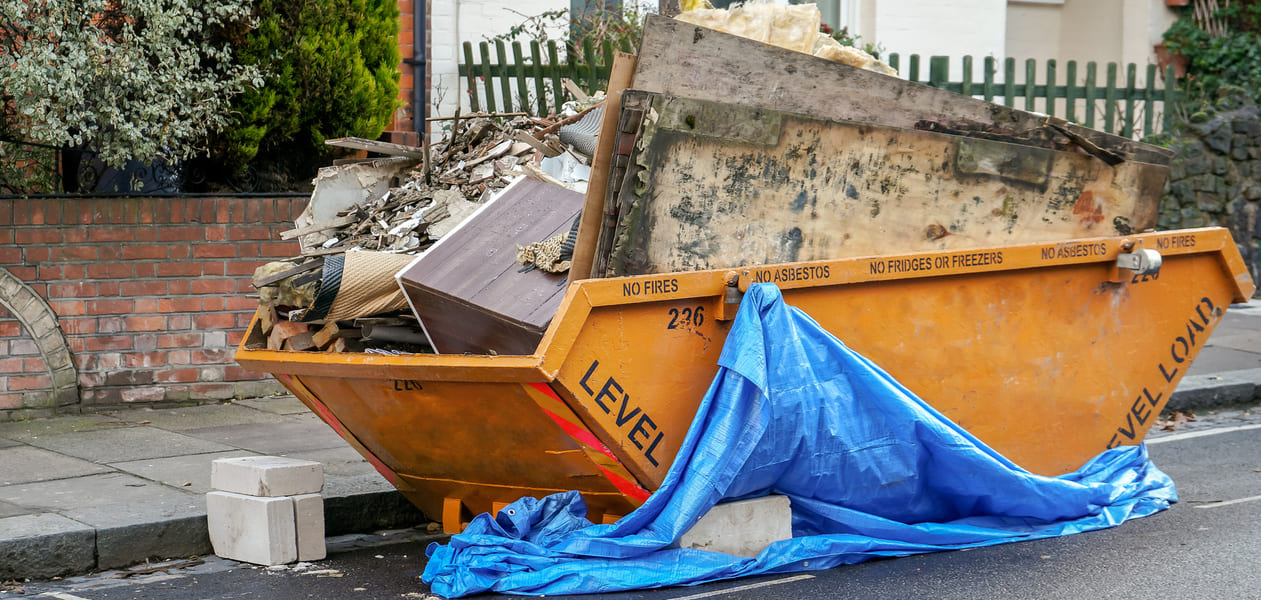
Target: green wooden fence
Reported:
[(1116, 106), (532, 83)]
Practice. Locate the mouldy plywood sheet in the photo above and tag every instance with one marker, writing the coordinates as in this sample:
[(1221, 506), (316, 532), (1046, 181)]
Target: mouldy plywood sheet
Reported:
[(723, 186), (469, 292), (682, 59)]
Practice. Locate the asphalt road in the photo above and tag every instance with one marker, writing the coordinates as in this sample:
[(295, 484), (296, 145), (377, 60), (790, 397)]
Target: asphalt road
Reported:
[(1206, 546)]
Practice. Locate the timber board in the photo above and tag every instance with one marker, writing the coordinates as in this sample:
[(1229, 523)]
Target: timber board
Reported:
[(721, 185), (469, 292), (681, 59)]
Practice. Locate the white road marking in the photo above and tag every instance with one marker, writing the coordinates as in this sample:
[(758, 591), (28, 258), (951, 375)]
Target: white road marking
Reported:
[(63, 596), (745, 587), (1177, 437), (1227, 502)]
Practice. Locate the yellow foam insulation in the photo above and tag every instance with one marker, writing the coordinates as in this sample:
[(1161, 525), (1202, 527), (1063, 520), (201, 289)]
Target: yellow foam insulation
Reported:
[(794, 26)]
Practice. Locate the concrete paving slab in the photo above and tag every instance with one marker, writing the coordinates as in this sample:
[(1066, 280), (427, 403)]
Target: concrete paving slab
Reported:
[(88, 491), (190, 473), (44, 545), (1217, 359), (130, 443), (7, 443), (273, 438), (1236, 319), (338, 462), (12, 510), (199, 417), (356, 484), (281, 405), (25, 464), (35, 428), (130, 533), (1248, 341)]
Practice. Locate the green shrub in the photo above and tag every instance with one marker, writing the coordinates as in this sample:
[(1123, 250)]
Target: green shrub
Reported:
[(1233, 58), (331, 71), (136, 79)]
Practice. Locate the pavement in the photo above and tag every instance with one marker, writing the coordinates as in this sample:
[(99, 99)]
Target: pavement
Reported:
[(94, 492)]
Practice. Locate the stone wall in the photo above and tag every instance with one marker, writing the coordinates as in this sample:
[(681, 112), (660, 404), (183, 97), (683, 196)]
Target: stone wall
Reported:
[(106, 301), (1215, 180)]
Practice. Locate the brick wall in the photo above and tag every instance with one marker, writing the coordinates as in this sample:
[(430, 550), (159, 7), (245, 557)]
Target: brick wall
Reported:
[(151, 296), (402, 129)]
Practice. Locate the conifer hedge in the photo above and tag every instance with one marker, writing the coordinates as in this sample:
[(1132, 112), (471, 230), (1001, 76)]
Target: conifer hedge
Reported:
[(331, 69)]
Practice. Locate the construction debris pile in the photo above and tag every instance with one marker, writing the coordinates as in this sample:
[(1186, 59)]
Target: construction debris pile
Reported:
[(391, 209)]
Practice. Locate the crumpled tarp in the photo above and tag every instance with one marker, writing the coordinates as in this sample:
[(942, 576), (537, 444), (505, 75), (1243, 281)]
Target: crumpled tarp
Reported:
[(871, 471)]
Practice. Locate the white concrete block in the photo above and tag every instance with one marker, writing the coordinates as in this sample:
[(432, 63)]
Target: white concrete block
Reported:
[(742, 528), (270, 476), (252, 529), (309, 512)]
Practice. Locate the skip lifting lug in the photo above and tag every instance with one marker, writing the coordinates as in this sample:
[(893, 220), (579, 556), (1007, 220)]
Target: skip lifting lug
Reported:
[(1139, 261), (732, 295)]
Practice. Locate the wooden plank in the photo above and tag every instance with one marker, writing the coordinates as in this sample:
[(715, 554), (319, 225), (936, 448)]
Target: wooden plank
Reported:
[(522, 136), (574, 90), (558, 89), (990, 69), (1009, 82), (588, 55), (938, 71), (1170, 99), (539, 89), (1070, 92), (504, 83), (523, 92), (726, 186), (469, 78), (966, 87), (1050, 88), (488, 80), (686, 60), (1110, 99), (601, 163), (1131, 81), (1091, 92), (376, 146), (1149, 101), (318, 227), (1031, 78)]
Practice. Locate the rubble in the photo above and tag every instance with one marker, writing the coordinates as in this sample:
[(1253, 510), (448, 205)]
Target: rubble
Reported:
[(402, 204)]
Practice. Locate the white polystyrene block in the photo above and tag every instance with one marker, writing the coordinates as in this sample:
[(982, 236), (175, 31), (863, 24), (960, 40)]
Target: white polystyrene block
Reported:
[(270, 476), (742, 528), (252, 529), (309, 510)]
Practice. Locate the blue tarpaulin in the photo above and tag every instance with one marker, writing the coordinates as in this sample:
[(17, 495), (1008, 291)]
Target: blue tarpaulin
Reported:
[(870, 469)]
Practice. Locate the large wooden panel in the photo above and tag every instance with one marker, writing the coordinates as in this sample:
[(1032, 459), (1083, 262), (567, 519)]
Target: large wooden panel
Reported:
[(686, 60), (722, 185), (468, 291)]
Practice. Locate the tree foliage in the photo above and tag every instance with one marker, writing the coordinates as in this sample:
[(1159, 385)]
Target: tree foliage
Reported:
[(332, 71), (128, 79), (1233, 58)]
